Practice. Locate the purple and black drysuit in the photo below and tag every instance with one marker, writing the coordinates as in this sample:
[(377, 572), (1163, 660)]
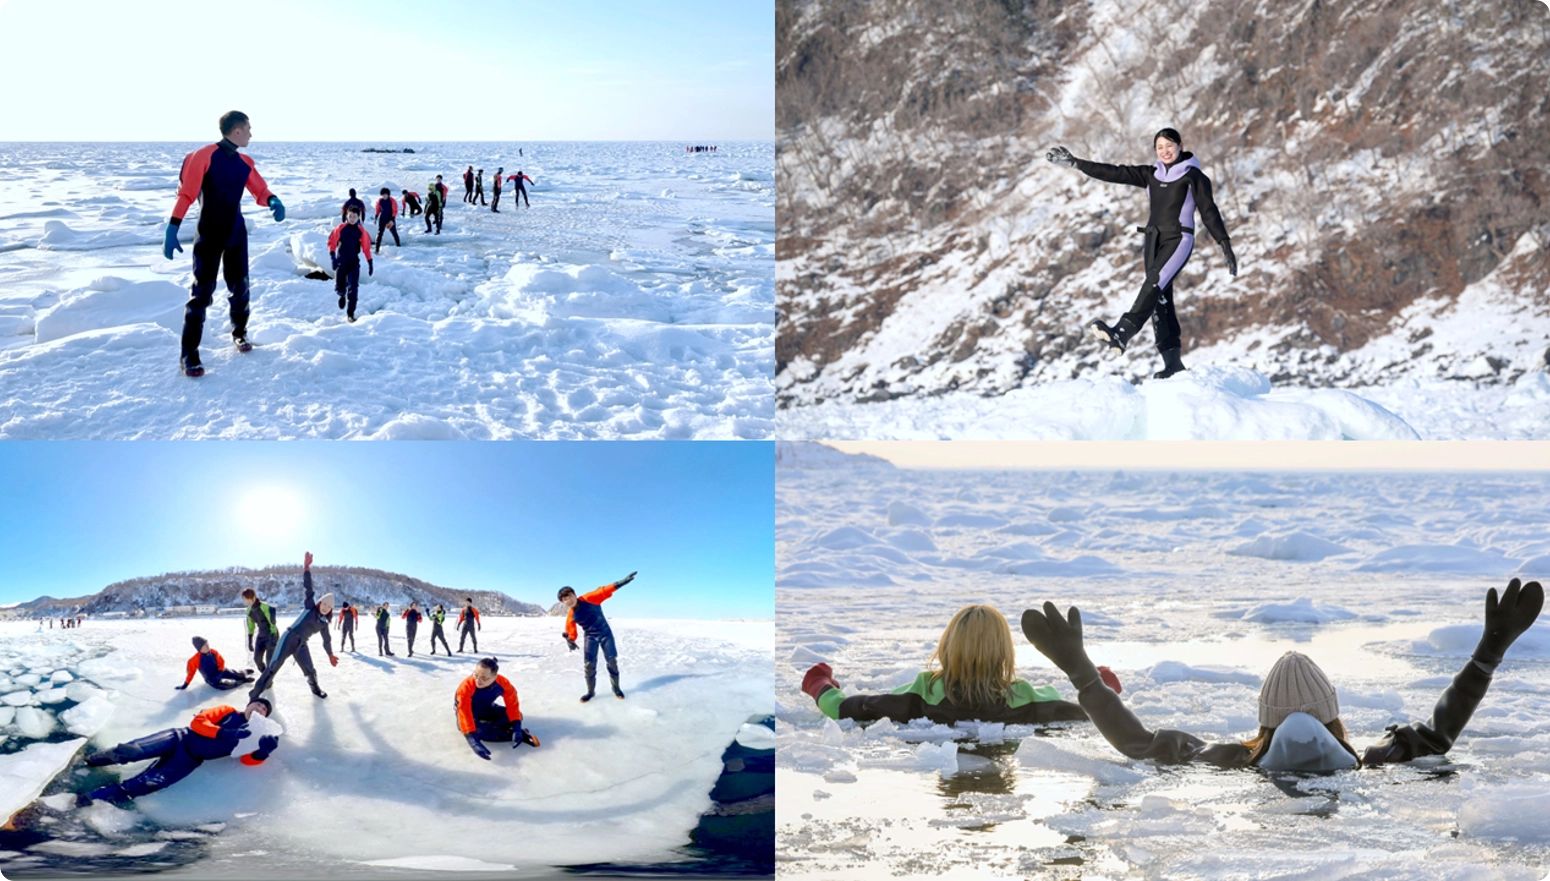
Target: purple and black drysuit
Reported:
[(1176, 191)]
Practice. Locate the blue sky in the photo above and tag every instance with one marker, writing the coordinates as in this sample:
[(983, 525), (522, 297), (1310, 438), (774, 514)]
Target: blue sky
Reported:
[(687, 70), (696, 518)]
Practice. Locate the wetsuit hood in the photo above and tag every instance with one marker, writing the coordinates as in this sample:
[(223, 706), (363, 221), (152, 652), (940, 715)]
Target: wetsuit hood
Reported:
[(1173, 172), (1303, 743)]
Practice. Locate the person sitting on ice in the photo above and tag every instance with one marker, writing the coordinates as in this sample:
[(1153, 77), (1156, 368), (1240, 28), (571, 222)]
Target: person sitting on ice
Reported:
[(1299, 712), (293, 643), (208, 663), (587, 610), (975, 678), (480, 718), (214, 733), (346, 244)]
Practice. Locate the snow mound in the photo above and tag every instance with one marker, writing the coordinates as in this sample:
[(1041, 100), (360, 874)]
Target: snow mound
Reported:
[(1438, 558), (1302, 610), (60, 236), (156, 302), (1298, 546), (1459, 640), (905, 514), (1205, 403), (1177, 671)]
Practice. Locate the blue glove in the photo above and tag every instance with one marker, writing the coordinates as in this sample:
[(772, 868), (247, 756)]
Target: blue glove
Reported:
[(334, 259), (478, 746), (277, 208), (169, 242), (370, 269)]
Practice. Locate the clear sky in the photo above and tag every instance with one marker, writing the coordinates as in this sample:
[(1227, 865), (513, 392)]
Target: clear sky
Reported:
[(1212, 455), (696, 518), (389, 70)]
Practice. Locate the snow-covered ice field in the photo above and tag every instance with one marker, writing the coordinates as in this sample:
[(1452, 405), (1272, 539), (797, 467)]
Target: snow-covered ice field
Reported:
[(634, 299), (375, 781), (1191, 585)]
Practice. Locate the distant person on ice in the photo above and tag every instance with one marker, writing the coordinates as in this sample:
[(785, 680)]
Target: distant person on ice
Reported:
[(262, 632), (587, 611), (293, 643), (386, 214), (216, 175), (1300, 728), (208, 663), (972, 675), (438, 618), (521, 191), (412, 203), (495, 200), (214, 733), (353, 202), (348, 618), (384, 620), (468, 184), (479, 187), (1177, 187), (435, 206), (346, 244), (412, 617), (479, 718), (467, 623)]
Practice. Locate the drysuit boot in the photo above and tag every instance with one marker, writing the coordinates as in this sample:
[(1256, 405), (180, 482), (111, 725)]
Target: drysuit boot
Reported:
[(1117, 336), (1172, 364), (312, 683), (613, 677), (591, 673)]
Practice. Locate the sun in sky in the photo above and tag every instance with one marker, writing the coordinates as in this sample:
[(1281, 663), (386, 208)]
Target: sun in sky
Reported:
[(272, 523)]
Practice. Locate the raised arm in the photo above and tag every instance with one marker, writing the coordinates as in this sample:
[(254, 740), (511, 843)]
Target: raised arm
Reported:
[(1505, 620), (1134, 175)]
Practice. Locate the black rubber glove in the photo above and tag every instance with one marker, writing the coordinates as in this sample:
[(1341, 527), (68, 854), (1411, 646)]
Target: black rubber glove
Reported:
[(572, 643), (1061, 156), (1232, 260), (371, 268), (478, 746), (1060, 640), (1506, 620), (250, 642), (625, 580), (181, 687), (266, 745)]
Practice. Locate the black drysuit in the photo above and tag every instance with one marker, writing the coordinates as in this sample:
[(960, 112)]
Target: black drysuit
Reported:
[(293, 643)]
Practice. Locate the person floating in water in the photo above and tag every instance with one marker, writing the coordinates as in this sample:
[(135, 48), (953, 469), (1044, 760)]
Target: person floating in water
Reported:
[(215, 176), (587, 611)]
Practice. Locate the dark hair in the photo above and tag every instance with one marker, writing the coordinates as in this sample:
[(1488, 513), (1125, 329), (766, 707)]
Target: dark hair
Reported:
[(352, 192), (491, 664), (567, 589), (386, 191), (1171, 134), (268, 707), (468, 599), (199, 642), (230, 120), (248, 594)]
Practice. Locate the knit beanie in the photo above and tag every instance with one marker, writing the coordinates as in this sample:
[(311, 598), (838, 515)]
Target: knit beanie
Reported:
[(199, 643), (1296, 685)]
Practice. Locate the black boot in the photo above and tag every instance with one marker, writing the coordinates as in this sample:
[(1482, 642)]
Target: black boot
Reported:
[(191, 366), (1172, 364), (313, 683), (1117, 336)]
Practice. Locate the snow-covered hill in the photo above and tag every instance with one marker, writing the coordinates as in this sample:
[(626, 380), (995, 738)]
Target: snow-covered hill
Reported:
[(1380, 168)]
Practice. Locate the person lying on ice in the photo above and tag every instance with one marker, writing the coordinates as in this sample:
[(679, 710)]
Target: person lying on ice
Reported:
[(213, 734), (975, 678), (208, 663), (480, 718), (1177, 187), (293, 643), (587, 611), (1299, 713)]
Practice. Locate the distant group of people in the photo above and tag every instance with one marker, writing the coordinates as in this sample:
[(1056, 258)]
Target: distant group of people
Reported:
[(486, 706), (64, 623), (217, 175), (700, 149)]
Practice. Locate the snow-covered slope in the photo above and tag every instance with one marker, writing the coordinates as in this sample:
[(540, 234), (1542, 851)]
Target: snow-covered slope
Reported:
[(1377, 166)]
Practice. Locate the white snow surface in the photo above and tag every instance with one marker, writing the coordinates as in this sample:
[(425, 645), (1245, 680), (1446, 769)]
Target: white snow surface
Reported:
[(635, 299), (1190, 628), (613, 780)]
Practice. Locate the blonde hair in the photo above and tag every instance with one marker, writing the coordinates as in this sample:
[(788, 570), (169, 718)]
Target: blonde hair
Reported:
[(1260, 743), (976, 659)]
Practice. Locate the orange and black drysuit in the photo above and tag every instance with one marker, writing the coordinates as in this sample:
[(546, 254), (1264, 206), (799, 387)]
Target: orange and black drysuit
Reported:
[(467, 621), (213, 734), (212, 667), (588, 613), (520, 190), (411, 626), (411, 202), (386, 213), (479, 718), (346, 244), (216, 176), (348, 617)]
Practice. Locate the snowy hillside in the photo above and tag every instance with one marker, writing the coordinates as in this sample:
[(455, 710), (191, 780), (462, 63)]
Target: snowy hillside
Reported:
[(375, 781), (804, 454), (279, 585), (1378, 168), (1191, 585), (633, 299)]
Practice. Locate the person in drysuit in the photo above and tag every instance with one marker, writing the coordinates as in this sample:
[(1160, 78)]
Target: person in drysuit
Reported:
[(313, 621), (1177, 187), (587, 611), (209, 664), (214, 733), (480, 718), (1299, 711)]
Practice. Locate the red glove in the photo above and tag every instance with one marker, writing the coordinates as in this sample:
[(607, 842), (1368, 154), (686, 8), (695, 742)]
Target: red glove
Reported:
[(1109, 679), (333, 659), (819, 678), (307, 563)]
